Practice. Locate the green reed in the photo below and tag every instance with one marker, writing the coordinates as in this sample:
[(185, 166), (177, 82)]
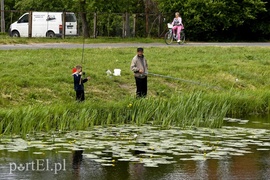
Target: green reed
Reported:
[(179, 110)]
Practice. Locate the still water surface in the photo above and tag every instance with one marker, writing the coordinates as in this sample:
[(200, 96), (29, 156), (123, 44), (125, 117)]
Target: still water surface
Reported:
[(58, 163)]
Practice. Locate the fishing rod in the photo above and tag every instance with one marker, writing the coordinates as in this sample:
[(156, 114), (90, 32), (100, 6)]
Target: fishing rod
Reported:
[(185, 80), (82, 59)]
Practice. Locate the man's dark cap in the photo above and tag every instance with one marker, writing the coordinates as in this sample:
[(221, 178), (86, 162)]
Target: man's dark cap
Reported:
[(139, 49)]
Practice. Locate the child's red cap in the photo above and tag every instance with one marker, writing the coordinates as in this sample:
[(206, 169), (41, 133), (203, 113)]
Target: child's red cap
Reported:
[(74, 70)]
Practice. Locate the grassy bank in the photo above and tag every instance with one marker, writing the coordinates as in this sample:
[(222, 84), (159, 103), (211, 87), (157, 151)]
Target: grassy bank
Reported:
[(37, 87), (183, 111), (5, 39)]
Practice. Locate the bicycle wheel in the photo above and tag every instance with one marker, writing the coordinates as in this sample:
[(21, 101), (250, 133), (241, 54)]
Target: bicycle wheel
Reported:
[(168, 38), (182, 37)]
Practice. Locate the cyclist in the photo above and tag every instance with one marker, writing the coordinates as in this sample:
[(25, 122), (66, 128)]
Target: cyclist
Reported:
[(177, 25)]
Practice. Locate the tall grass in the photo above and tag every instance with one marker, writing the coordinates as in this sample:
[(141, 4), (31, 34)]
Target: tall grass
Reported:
[(185, 111)]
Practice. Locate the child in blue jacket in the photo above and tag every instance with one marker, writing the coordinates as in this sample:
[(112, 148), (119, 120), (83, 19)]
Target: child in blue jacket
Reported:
[(78, 83)]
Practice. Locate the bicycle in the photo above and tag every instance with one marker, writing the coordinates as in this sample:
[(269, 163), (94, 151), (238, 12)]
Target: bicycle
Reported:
[(169, 37)]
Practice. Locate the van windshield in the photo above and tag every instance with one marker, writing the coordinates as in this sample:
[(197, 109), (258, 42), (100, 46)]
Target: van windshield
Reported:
[(23, 19), (70, 17)]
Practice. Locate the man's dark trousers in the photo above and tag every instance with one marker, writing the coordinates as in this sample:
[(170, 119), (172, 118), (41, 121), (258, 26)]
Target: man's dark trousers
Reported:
[(141, 84)]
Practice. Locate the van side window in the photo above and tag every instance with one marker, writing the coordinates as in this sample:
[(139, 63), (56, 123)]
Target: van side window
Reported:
[(24, 19)]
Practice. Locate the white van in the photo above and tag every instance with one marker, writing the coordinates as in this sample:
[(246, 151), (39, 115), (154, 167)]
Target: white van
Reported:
[(44, 24)]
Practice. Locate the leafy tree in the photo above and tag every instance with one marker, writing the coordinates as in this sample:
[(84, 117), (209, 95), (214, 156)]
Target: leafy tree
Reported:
[(44, 5), (208, 19), (110, 15), (258, 28), (203, 19), (109, 12)]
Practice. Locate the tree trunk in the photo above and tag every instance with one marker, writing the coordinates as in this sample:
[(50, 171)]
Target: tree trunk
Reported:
[(64, 25), (30, 23), (146, 9), (159, 25), (134, 25), (123, 29), (95, 25), (85, 26), (2, 16), (127, 28)]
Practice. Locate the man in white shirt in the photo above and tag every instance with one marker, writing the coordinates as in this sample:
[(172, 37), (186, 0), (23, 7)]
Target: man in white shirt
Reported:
[(140, 68)]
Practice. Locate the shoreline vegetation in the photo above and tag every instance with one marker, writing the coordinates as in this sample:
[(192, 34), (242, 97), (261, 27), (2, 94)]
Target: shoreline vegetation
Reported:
[(37, 88)]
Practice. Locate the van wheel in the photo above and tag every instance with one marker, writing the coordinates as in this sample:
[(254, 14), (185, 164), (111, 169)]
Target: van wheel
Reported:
[(50, 34), (15, 34)]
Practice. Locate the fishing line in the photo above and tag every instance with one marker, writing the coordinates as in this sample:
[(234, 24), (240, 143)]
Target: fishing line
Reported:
[(83, 31), (184, 80), (82, 61)]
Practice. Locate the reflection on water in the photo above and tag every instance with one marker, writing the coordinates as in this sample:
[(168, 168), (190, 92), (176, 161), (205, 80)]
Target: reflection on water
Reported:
[(77, 158), (60, 164), (261, 122), (250, 166)]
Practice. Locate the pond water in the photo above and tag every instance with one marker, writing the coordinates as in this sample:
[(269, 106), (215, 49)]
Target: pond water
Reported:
[(239, 150)]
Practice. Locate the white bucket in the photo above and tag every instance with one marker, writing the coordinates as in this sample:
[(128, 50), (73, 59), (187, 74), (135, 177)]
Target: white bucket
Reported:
[(117, 72)]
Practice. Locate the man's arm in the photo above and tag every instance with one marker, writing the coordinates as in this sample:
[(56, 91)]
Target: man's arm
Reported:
[(133, 66)]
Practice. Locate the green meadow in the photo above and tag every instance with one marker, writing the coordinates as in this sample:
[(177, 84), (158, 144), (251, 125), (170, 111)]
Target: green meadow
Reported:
[(199, 86), (6, 39)]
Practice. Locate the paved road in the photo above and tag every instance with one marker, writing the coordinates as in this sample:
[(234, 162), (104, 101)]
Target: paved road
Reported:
[(119, 45)]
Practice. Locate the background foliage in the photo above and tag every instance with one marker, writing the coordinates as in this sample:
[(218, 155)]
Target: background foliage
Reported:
[(205, 20)]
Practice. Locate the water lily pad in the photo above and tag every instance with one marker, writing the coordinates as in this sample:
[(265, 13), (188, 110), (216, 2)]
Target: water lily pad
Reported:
[(236, 154), (124, 159), (160, 161), (99, 153), (107, 158), (13, 150), (38, 153), (91, 156), (186, 159), (265, 144), (199, 157), (149, 155), (48, 149), (102, 160), (185, 154), (107, 164), (65, 152), (134, 159), (150, 165)]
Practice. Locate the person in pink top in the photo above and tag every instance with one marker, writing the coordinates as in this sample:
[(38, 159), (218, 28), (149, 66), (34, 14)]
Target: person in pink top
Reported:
[(177, 25)]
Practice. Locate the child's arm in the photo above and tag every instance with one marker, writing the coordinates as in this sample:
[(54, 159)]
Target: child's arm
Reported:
[(85, 79)]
